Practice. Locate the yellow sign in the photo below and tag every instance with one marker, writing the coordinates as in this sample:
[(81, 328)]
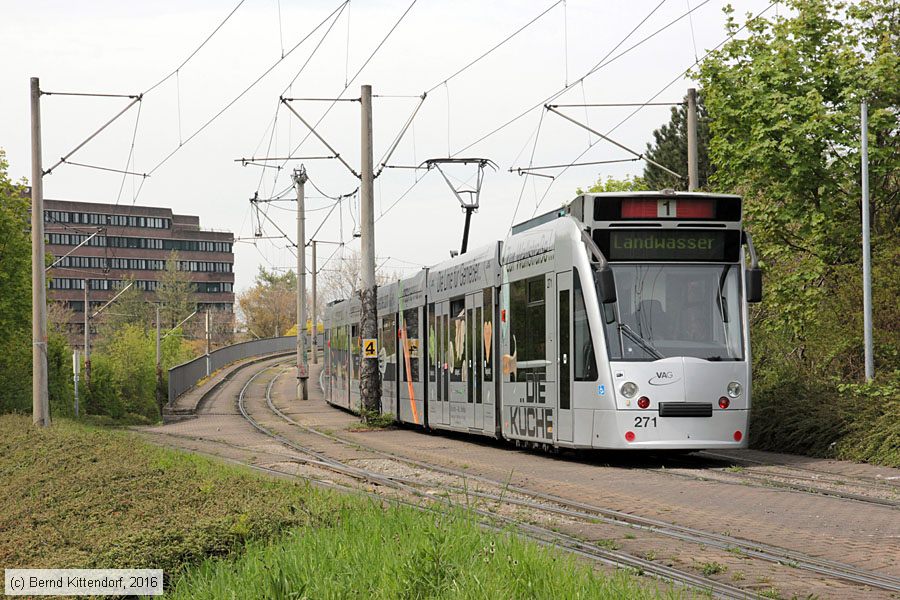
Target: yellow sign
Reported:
[(370, 348)]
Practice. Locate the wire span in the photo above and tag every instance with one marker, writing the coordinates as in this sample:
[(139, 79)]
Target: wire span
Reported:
[(248, 88), (194, 53)]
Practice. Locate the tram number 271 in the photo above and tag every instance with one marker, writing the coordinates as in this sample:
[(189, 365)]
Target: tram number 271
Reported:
[(645, 421)]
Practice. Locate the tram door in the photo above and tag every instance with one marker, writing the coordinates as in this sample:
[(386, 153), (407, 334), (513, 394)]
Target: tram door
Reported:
[(409, 382), (487, 341), (474, 361), (387, 362), (564, 357), (444, 363), (461, 413)]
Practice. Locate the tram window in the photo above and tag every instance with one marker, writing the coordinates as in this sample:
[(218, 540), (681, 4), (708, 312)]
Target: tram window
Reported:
[(563, 358), (585, 366), (488, 334), (456, 344), (431, 344), (527, 320)]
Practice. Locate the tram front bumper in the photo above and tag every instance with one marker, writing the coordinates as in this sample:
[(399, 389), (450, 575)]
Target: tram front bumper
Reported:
[(646, 430)]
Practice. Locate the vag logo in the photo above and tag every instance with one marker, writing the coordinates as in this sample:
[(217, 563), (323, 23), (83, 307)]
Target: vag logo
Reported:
[(664, 378)]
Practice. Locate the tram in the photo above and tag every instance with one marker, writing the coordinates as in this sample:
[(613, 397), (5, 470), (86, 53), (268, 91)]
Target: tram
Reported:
[(619, 321)]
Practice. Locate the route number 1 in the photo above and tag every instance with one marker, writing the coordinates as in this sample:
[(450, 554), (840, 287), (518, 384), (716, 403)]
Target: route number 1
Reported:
[(667, 208), (370, 348)]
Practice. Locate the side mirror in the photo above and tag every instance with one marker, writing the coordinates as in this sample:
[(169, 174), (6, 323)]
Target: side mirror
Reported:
[(606, 285), (754, 285)]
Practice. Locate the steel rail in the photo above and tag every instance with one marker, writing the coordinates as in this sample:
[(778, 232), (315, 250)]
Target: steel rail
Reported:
[(857, 479), (532, 531), (767, 481), (760, 550)]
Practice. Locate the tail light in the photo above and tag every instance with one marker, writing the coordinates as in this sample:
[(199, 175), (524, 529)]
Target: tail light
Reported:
[(629, 436), (724, 402), (644, 402), (738, 436)]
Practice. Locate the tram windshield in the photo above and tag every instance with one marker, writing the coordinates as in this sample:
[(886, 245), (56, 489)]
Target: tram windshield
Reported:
[(675, 310)]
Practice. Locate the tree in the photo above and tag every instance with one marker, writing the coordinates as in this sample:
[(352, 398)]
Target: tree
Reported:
[(784, 102), (670, 150), (785, 133), (15, 294), (341, 281), (629, 184), (174, 294), (130, 308), (269, 308)]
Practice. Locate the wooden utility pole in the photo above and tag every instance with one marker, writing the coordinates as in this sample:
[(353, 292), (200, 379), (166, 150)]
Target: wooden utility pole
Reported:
[(40, 404), (369, 378), (302, 366), (693, 151), (315, 322)]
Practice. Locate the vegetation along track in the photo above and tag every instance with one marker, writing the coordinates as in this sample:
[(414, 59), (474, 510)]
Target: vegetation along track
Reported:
[(551, 504)]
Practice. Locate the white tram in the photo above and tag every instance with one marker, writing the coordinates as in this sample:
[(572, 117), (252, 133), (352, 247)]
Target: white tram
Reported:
[(619, 321)]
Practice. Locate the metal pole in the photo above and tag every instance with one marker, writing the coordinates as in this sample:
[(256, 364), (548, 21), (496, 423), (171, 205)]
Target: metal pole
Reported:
[(465, 240), (208, 370), (866, 242), (315, 321), (87, 336), (159, 379), (693, 154), (39, 392), (76, 367), (302, 367), (369, 378)]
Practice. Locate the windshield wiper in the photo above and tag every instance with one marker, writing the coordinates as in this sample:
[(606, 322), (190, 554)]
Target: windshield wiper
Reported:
[(637, 339)]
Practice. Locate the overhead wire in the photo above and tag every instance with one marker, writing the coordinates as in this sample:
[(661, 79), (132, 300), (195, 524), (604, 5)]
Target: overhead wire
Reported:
[(494, 47), (203, 43), (358, 72), (657, 94), (565, 88), (458, 72), (247, 89), (537, 136), (137, 120)]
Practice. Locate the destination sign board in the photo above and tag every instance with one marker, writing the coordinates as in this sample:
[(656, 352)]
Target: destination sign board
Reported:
[(667, 245)]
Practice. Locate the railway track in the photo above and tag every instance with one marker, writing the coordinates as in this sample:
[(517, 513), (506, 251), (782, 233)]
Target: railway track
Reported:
[(414, 489), (807, 473), (697, 468), (547, 503)]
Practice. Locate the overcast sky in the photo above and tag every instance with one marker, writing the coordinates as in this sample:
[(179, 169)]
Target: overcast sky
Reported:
[(108, 46)]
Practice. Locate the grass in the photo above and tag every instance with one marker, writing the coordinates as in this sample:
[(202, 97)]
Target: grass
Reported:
[(712, 568), (828, 419), (401, 553), (83, 497), (79, 496)]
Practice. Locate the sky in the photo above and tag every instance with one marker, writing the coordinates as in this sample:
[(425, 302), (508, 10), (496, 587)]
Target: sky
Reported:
[(319, 49)]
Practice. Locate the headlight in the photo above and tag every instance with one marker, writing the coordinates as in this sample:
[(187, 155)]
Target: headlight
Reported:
[(629, 389), (735, 389)]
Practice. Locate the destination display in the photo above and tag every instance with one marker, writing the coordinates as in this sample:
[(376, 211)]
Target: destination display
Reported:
[(667, 245)]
